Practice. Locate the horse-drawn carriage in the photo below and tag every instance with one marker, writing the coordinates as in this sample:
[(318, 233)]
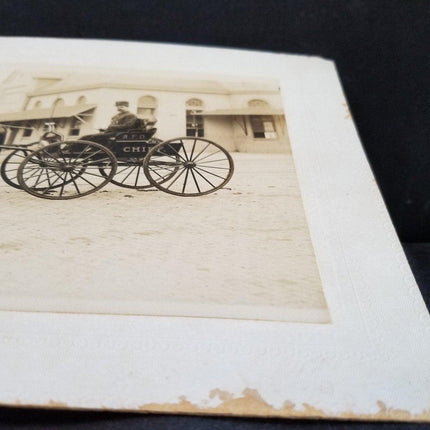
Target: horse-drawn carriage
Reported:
[(54, 168)]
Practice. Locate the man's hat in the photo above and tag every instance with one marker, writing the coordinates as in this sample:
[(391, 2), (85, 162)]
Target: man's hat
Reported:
[(122, 104)]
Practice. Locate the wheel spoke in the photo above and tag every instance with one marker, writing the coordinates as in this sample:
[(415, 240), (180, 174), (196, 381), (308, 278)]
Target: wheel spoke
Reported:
[(165, 154), (38, 178), (86, 147), (36, 169), (121, 171), (87, 181), (177, 177), (164, 163), (193, 148), (195, 180), (204, 149), (75, 184), (207, 156), (154, 170), (47, 177), (35, 161), (183, 149), (214, 161), (61, 154), (137, 177), (89, 156), (132, 170), (179, 155), (14, 170), (214, 167), (58, 177), (95, 162), (63, 185), (44, 180), (49, 155), (185, 180), (207, 180), (210, 173), (48, 189)]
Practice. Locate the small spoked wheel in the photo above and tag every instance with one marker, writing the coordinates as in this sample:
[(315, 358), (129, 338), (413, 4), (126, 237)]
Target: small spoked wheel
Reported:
[(66, 170), (130, 172), (10, 165), (188, 166)]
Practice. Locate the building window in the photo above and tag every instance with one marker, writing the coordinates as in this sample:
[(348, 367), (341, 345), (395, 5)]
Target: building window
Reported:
[(146, 106), (194, 119), (81, 100), (258, 103), (263, 127), (58, 103), (28, 130), (75, 127)]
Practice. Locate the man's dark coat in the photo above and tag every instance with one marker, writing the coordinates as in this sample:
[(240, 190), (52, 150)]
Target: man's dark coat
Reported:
[(122, 121)]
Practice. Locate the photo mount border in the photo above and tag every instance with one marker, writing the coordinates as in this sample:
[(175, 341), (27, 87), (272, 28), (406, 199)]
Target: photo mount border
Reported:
[(371, 363)]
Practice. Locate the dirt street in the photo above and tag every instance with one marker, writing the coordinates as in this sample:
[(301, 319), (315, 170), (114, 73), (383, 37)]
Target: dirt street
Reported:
[(242, 252)]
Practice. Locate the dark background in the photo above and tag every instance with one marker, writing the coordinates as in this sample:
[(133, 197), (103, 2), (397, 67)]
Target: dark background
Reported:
[(381, 48)]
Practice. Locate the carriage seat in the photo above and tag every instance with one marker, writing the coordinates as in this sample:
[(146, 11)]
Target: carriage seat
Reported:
[(142, 126), (136, 134)]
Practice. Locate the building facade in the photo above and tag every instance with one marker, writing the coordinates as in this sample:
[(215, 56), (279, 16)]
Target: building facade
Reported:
[(241, 116)]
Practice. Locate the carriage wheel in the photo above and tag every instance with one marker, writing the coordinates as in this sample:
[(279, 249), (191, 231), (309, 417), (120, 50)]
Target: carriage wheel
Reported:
[(196, 166), (66, 170), (9, 167), (130, 173)]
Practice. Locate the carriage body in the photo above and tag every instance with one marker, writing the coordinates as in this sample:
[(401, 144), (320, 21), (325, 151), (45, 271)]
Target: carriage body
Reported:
[(133, 143), (57, 169)]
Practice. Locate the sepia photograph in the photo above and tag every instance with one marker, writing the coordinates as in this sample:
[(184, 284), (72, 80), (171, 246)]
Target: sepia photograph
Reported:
[(196, 230), (158, 193)]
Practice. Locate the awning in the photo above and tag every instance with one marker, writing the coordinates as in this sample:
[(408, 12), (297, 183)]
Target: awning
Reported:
[(33, 114), (241, 112)]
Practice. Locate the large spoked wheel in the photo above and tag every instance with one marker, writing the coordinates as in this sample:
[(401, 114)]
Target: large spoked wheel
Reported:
[(9, 168), (10, 165), (188, 166), (66, 170)]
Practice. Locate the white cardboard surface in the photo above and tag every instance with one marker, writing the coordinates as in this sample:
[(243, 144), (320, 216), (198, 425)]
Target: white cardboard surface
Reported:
[(371, 362)]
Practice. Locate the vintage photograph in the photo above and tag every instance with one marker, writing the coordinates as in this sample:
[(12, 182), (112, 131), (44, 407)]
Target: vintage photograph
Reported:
[(152, 194), (188, 229)]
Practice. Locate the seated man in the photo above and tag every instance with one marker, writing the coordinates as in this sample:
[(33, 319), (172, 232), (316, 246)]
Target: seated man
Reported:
[(123, 120)]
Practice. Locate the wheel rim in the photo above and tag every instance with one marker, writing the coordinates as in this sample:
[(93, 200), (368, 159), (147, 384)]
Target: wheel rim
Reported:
[(66, 170), (188, 166), (10, 165)]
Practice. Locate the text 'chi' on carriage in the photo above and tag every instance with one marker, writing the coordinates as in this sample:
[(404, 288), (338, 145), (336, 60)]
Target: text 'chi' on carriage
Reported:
[(58, 169)]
